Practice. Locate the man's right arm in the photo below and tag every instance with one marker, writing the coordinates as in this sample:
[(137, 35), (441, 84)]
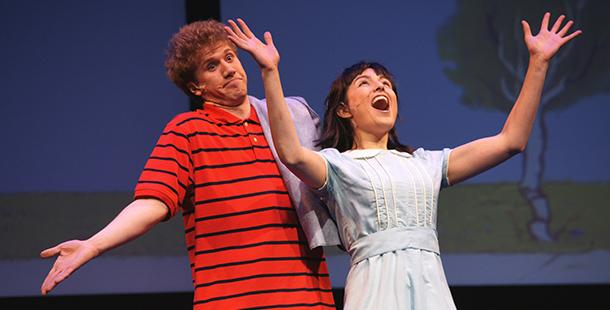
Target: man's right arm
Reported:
[(134, 220)]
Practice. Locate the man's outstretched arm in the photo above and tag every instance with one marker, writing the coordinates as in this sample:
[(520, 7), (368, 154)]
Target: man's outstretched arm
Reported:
[(134, 220)]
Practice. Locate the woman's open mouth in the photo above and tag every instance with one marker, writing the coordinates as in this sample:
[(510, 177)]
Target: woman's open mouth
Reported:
[(381, 103)]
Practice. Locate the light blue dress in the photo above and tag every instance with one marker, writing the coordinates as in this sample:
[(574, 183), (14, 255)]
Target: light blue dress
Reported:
[(385, 205)]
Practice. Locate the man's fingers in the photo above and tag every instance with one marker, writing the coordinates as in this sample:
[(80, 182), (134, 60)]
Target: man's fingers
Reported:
[(62, 275), (47, 286), (50, 252), (49, 282), (55, 276)]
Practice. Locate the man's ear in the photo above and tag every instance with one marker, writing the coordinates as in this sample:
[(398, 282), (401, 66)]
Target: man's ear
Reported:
[(343, 111), (196, 89)]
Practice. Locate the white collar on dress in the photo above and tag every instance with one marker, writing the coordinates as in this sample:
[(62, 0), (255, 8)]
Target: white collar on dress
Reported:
[(370, 153)]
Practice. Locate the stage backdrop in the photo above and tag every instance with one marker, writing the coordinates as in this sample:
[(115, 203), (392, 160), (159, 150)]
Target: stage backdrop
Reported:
[(85, 98)]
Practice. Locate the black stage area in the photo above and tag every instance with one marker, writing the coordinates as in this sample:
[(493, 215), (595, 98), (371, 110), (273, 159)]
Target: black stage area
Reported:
[(466, 297)]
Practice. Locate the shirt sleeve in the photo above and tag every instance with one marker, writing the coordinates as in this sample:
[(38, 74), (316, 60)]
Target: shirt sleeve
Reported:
[(306, 120), (167, 175)]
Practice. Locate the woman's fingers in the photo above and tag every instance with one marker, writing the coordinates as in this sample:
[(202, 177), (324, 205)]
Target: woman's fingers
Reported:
[(245, 28), (557, 24), (527, 32), (236, 30), (545, 22), (572, 35), (233, 36), (565, 28), (268, 38)]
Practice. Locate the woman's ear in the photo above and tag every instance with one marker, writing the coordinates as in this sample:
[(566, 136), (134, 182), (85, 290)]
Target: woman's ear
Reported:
[(343, 111)]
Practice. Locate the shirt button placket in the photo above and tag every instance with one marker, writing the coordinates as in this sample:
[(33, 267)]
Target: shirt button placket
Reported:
[(252, 139)]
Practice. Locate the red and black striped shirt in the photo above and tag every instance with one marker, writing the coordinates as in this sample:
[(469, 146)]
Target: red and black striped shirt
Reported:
[(245, 244)]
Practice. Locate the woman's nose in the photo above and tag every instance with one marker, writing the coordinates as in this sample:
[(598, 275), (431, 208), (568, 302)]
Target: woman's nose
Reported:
[(379, 86)]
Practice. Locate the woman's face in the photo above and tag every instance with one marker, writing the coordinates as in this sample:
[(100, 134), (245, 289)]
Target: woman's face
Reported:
[(371, 104)]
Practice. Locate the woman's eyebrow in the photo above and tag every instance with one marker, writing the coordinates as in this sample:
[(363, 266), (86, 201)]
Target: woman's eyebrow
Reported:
[(362, 77)]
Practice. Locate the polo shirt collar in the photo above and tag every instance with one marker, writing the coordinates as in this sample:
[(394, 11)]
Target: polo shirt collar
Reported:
[(220, 115)]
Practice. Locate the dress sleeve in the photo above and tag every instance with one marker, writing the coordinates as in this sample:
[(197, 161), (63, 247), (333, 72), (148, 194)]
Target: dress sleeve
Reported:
[(167, 175), (437, 163), (332, 157)]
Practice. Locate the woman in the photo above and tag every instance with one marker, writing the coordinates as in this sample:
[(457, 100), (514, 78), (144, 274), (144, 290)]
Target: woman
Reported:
[(382, 195)]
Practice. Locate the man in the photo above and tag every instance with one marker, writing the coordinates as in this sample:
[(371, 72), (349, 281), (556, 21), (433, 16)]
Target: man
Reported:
[(215, 165)]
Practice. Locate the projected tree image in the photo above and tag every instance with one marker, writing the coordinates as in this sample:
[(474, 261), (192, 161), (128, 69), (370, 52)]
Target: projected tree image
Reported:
[(488, 60)]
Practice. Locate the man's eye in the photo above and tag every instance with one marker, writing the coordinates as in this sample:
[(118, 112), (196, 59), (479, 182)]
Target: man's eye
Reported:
[(229, 57), (363, 83), (211, 67)]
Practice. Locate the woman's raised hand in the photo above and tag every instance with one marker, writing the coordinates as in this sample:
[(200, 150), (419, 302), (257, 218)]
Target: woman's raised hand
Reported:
[(265, 54), (547, 42)]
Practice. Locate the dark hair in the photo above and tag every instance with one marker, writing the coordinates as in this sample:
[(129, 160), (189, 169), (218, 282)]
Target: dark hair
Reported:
[(337, 132), (186, 47)]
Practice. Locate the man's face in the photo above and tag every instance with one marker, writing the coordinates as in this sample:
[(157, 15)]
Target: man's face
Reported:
[(220, 77)]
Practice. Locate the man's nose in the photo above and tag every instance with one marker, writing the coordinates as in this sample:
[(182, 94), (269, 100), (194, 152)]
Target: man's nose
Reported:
[(227, 70)]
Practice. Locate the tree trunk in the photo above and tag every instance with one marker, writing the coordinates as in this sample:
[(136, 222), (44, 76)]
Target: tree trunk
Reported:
[(530, 185)]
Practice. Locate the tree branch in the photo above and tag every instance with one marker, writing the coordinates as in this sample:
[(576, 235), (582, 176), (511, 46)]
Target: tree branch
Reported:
[(550, 94), (508, 95)]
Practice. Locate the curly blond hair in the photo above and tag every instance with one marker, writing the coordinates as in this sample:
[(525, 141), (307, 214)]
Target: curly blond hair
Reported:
[(187, 46)]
